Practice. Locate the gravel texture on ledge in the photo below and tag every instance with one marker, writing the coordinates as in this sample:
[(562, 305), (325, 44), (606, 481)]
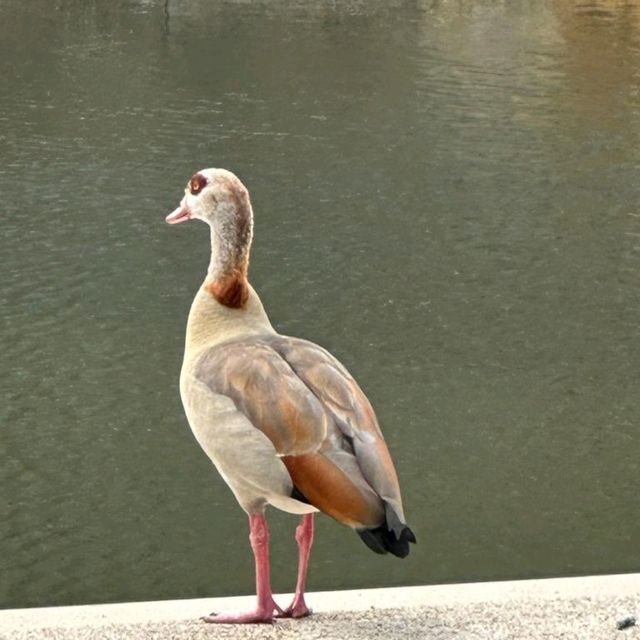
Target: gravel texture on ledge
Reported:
[(567, 608)]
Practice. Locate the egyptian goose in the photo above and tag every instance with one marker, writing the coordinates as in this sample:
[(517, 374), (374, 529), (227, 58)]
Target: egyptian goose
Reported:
[(282, 420)]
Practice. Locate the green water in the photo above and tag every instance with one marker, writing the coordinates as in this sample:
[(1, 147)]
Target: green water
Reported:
[(446, 197)]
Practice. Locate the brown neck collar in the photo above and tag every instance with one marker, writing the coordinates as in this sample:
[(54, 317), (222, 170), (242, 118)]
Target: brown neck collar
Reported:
[(230, 291)]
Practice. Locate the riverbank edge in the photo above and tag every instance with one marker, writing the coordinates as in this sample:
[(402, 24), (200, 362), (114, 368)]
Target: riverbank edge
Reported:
[(450, 595)]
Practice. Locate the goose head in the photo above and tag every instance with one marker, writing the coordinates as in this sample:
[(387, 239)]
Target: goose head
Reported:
[(215, 196)]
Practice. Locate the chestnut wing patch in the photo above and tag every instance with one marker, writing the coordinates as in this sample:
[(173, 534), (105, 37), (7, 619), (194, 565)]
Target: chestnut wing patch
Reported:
[(326, 486)]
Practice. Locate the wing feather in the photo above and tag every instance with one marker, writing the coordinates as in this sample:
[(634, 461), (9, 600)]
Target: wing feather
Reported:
[(352, 412)]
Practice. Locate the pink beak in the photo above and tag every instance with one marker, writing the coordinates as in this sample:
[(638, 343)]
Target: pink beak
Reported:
[(181, 214)]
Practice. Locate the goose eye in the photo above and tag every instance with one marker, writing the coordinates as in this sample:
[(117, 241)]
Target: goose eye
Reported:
[(197, 184)]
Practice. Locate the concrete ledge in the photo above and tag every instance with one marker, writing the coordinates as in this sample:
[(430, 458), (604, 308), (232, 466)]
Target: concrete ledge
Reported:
[(580, 608)]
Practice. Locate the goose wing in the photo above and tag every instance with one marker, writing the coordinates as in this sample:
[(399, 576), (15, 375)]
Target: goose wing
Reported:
[(319, 421)]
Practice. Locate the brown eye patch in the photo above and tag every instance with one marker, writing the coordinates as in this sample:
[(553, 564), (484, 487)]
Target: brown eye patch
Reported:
[(197, 184)]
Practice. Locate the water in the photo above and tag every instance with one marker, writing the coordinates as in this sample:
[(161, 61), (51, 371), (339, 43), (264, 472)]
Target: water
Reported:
[(446, 197)]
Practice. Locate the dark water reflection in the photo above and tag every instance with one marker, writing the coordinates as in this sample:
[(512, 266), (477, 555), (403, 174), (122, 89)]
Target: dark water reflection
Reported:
[(446, 197)]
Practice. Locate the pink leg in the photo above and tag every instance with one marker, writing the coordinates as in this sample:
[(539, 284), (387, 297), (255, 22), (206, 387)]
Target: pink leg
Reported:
[(266, 606), (304, 537)]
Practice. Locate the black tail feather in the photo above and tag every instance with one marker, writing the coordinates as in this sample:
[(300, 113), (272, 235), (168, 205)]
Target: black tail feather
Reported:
[(382, 540)]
